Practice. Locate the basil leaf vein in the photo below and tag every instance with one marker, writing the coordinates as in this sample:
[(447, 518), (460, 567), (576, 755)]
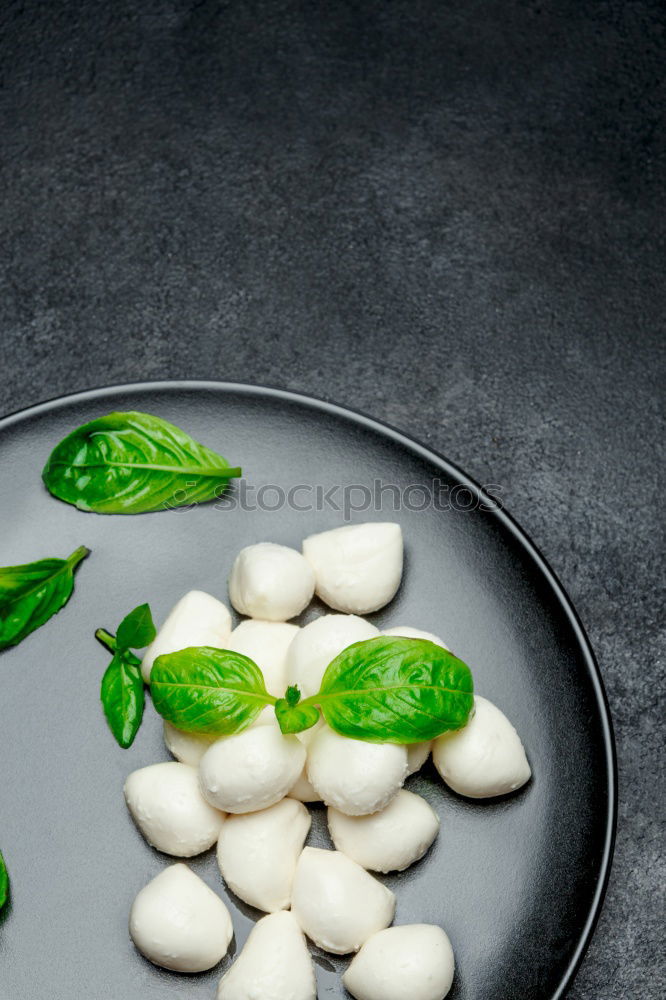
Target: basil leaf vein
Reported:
[(133, 463), (32, 593)]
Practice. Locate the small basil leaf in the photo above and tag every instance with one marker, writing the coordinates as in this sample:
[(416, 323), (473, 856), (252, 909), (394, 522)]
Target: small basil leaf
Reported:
[(395, 690), (123, 697), (295, 718), (4, 882), (137, 629), (33, 593), (206, 690), (131, 463)]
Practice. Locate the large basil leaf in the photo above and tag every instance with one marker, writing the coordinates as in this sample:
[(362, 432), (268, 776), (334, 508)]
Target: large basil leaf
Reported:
[(395, 690), (4, 882), (32, 593), (123, 697), (206, 690), (137, 629), (131, 463)]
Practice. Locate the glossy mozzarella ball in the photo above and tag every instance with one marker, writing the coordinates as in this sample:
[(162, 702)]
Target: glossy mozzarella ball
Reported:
[(320, 642), (485, 758), (414, 962), (417, 755), (357, 568), (257, 853), (251, 770), (170, 811), (272, 582), (188, 748), (177, 922), (389, 840), (354, 776), (337, 903), (266, 643), (274, 964), (303, 789), (406, 632), (198, 619)]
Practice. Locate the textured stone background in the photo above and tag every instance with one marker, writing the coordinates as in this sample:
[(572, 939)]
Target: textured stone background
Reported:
[(447, 215)]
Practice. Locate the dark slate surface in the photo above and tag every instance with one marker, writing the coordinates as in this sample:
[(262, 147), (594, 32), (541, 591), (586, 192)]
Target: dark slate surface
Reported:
[(447, 215)]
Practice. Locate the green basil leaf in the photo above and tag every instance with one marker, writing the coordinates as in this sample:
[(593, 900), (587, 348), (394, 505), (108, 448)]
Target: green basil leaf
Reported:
[(395, 690), (206, 690), (123, 697), (137, 629), (132, 463), (4, 882), (32, 593), (295, 718)]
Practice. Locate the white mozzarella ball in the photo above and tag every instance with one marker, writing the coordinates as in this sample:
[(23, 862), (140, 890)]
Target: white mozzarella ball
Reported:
[(251, 770), (357, 568), (485, 758), (414, 962), (257, 853), (389, 840), (406, 632), (177, 922), (417, 755), (270, 581), (198, 619), (274, 964), (320, 642), (169, 809), (354, 776), (266, 643), (337, 903), (303, 789), (188, 748)]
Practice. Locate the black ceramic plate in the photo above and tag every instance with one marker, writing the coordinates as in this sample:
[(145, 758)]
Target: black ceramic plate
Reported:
[(516, 883)]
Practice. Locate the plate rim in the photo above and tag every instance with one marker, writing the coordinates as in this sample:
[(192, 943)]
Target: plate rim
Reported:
[(519, 535)]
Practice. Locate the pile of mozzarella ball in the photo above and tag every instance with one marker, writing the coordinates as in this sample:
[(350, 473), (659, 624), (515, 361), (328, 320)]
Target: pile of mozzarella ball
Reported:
[(248, 792)]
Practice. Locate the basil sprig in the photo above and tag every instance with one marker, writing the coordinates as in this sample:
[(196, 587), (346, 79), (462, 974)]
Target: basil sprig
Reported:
[(132, 463), (383, 690), (206, 690), (122, 692), (4, 882), (32, 593)]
